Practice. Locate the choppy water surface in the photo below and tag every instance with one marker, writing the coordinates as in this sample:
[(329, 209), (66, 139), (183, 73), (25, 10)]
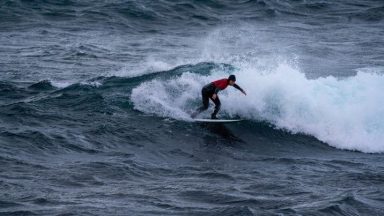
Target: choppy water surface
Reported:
[(95, 96)]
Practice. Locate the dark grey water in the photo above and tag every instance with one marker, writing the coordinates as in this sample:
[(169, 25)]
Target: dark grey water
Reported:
[(95, 96)]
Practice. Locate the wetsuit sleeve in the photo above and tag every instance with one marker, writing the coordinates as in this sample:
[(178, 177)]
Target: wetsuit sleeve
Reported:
[(238, 87)]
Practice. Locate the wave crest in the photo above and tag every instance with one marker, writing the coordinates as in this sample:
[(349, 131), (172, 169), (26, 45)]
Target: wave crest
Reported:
[(345, 113)]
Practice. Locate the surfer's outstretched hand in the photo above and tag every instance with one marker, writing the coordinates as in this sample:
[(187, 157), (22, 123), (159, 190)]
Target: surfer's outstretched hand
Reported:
[(244, 92)]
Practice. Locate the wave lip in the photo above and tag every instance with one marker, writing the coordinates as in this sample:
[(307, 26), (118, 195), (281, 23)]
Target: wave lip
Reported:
[(344, 113)]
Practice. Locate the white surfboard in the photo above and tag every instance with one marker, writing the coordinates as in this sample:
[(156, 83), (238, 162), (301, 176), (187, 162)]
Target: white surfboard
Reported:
[(217, 120)]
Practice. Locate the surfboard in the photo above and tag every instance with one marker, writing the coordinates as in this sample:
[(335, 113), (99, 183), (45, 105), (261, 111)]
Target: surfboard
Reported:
[(217, 120)]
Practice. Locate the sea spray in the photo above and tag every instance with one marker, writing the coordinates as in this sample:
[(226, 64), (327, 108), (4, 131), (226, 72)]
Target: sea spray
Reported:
[(345, 113)]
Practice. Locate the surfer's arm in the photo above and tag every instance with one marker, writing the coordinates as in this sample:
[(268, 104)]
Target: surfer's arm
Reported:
[(239, 88)]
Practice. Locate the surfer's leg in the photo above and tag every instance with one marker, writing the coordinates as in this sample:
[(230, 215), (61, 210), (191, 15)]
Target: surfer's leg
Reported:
[(205, 100), (205, 97), (217, 107)]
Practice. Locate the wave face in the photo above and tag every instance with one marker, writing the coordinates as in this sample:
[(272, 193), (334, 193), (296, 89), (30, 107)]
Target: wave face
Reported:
[(345, 113), (95, 99)]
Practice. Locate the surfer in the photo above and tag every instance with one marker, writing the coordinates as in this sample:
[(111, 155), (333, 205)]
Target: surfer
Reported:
[(211, 90)]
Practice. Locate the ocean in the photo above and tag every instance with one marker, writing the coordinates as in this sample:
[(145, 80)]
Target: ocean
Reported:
[(96, 96)]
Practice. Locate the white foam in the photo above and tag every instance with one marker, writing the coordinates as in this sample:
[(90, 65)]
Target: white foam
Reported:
[(61, 84), (95, 84), (169, 98), (345, 113), (66, 83)]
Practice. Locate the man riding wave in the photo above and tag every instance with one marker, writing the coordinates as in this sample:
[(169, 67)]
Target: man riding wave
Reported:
[(211, 90)]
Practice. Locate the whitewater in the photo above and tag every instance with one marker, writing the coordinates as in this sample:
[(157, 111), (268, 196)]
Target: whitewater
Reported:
[(344, 112), (96, 96)]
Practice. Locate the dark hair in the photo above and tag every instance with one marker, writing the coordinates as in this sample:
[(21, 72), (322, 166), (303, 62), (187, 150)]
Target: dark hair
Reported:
[(232, 77)]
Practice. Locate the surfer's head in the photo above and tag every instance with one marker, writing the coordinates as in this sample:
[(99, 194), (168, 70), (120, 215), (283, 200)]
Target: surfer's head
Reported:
[(231, 79)]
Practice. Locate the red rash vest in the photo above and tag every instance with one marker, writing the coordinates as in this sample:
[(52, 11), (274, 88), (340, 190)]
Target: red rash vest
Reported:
[(221, 83)]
